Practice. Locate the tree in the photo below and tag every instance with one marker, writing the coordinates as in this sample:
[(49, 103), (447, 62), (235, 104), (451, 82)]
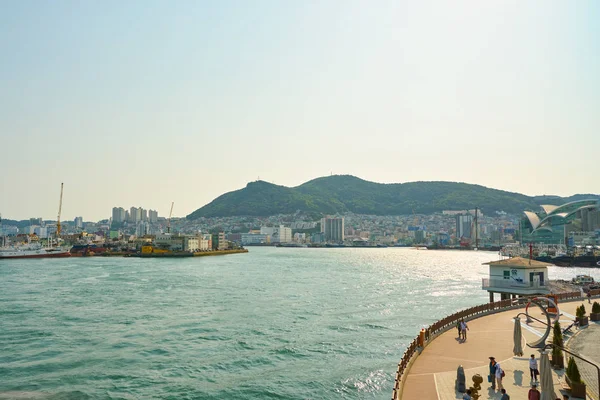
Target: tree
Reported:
[(573, 371), (596, 308), (557, 340)]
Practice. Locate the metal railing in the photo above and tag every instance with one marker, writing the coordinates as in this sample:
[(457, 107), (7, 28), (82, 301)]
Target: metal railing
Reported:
[(450, 321)]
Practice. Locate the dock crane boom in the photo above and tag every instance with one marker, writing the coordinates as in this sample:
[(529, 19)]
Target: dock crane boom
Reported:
[(59, 211), (169, 221)]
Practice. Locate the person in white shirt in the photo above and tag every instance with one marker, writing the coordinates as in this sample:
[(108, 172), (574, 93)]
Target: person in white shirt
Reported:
[(463, 329), (499, 372), (533, 368)]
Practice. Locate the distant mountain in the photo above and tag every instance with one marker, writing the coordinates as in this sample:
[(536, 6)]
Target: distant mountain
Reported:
[(346, 193)]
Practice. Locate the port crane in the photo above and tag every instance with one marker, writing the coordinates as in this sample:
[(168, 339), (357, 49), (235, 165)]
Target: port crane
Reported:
[(59, 211), (169, 220)]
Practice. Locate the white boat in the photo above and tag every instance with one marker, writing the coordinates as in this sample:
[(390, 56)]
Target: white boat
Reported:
[(33, 251)]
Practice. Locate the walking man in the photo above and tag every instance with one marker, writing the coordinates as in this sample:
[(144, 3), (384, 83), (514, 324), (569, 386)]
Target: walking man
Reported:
[(492, 375), (533, 368), (504, 395)]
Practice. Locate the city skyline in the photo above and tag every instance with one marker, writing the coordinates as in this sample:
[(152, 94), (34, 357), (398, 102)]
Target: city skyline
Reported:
[(150, 103)]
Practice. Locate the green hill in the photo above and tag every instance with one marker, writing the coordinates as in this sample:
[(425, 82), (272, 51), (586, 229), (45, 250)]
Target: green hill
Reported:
[(346, 193)]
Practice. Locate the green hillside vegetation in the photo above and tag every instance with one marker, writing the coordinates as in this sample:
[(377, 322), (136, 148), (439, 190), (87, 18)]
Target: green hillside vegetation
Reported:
[(346, 193)]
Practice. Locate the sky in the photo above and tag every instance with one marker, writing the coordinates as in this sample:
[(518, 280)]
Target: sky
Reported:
[(142, 103)]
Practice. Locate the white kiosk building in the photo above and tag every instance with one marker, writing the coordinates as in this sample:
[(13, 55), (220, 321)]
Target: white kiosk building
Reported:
[(516, 277)]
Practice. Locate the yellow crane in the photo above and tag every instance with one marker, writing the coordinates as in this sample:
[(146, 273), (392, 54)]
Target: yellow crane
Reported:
[(169, 220), (59, 211)]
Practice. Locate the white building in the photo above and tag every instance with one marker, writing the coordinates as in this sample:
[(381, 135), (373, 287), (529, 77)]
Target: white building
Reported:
[(253, 238), (280, 234), (516, 277), (284, 234)]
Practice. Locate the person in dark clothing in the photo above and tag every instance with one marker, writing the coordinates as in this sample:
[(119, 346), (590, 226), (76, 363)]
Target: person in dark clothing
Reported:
[(504, 395), (492, 376)]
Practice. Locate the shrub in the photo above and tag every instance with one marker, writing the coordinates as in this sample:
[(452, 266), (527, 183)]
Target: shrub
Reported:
[(573, 371), (596, 308), (580, 312), (557, 341)]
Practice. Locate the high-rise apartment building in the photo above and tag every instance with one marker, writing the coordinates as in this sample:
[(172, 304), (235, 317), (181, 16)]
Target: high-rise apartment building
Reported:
[(333, 228), (153, 216), (135, 214), (118, 215), (463, 226), (78, 222)]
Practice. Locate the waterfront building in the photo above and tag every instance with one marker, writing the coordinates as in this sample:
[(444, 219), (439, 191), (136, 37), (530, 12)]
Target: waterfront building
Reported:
[(253, 238), (299, 237), (420, 237), (277, 234), (218, 241), (284, 234), (333, 228), (553, 224), (318, 238), (516, 277)]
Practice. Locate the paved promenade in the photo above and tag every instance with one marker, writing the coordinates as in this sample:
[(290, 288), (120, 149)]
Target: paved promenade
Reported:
[(587, 343), (433, 373)]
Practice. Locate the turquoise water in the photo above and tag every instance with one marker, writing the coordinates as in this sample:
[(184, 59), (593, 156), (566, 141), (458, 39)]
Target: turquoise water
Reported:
[(271, 324)]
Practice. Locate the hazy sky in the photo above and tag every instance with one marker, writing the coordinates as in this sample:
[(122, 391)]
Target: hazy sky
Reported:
[(144, 102)]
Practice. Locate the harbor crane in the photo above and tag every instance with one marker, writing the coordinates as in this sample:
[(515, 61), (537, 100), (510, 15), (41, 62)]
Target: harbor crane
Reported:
[(59, 211), (169, 220)]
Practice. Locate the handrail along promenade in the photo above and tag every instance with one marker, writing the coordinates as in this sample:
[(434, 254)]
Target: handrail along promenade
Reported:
[(438, 327)]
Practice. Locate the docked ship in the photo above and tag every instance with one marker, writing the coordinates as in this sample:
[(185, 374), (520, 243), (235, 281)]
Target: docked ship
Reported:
[(33, 251)]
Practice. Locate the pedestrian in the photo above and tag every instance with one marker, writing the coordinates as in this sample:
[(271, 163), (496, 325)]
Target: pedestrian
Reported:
[(504, 395), (589, 296), (467, 395), (492, 375), (458, 327), (499, 375), (463, 329), (533, 368), (534, 394)]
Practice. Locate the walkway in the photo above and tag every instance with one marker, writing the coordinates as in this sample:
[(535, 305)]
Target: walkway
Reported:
[(433, 373), (587, 343)]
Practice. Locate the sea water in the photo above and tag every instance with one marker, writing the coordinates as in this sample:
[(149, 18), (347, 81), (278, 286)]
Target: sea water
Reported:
[(275, 323)]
